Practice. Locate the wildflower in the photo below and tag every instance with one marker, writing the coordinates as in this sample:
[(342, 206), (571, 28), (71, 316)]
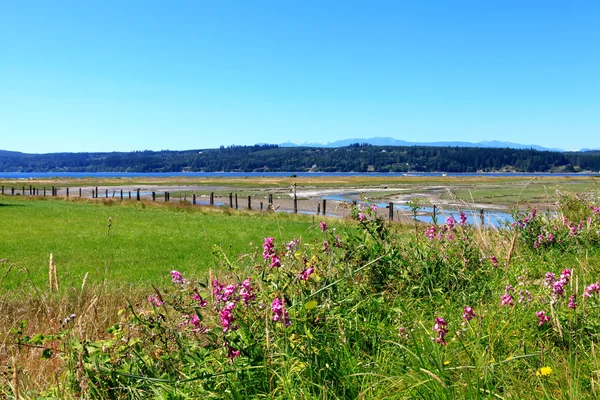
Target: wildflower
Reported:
[(507, 299), (594, 287), (218, 290), (176, 277), (469, 314), (155, 300), (201, 302), (326, 246), (550, 278), (338, 241), (69, 319), (279, 312), (196, 323), (268, 248), (246, 292), (402, 332), (572, 302), (361, 217), (525, 296), (494, 261), (291, 246), (374, 207), (440, 328), (542, 318), (450, 222), (430, 232), (323, 226), (544, 371), (232, 353), (275, 261), (227, 317), (463, 218), (306, 273)]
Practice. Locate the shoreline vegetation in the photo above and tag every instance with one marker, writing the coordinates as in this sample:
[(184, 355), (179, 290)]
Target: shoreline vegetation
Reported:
[(265, 158), (163, 299)]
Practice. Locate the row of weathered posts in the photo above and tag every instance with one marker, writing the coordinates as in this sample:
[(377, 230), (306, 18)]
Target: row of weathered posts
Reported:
[(233, 199)]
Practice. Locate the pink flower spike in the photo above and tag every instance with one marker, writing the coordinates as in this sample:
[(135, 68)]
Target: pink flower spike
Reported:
[(323, 226)]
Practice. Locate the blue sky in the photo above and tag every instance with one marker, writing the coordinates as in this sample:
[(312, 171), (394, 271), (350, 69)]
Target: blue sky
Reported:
[(135, 75)]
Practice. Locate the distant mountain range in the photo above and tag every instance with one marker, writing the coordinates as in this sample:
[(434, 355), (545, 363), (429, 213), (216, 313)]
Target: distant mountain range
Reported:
[(388, 141)]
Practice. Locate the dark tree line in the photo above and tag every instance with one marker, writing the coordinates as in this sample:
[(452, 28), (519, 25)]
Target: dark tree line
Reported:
[(358, 158)]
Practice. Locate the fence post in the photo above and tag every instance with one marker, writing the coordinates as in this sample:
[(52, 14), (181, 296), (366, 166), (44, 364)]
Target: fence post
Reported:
[(12, 191), (114, 193), (30, 190), (67, 192), (96, 192), (153, 196), (121, 194), (249, 202), (212, 198), (481, 217), (391, 213), (194, 199), (230, 200), (434, 218), (295, 201), (261, 206), (23, 190), (137, 195), (318, 208), (270, 199), (53, 191), (236, 202), (324, 207)]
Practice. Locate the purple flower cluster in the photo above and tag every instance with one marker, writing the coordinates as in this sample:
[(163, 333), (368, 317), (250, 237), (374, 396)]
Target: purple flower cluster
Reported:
[(195, 322), (468, 313), (430, 232), (463, 218), (306, 273), (268, 248), (593, 288), (525, 296), (450, 222), (572, 302), (201, 302), (293, 245), (227, 317), (279, 312), (440, 329), (494, 261), (322, 226), (155, 300), (542, 318), (176, 277), (507, 299), (232, 353), (246, 292)]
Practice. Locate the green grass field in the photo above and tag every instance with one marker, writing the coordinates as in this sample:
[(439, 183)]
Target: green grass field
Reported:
[(144, 242)]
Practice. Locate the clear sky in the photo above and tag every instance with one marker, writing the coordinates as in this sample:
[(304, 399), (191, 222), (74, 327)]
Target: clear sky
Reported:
[(134, 75)]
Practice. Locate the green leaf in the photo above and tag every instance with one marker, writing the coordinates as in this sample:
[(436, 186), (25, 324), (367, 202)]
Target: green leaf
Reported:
[(46, 354), (311, 304)]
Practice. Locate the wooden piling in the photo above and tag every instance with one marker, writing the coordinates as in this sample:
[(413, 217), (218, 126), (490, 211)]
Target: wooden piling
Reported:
[(212, 199), (236, 202), (482, 218), (230, 200), (324, 207), (249, 202), (391, 211)]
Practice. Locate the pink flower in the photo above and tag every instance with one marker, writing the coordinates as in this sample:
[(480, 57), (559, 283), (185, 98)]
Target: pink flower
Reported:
[(469, 314), (450, 222), (361, 217), (463, 218), (275, 262), (306, 273), (292, 245), (542, 318), (440, 328), (572, 302), (326, 246), (268, 248), (201, 302), (494, 261), (232, 353), (323, 226), (279, 312), (176, 277), (246, 292), (507, 299), (374, 207), (430, 232), (155, 300), (227, 317), (593, 288)]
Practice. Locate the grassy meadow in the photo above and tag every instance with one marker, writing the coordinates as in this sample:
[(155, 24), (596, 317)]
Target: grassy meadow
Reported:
[(352, 309), (144, 239)]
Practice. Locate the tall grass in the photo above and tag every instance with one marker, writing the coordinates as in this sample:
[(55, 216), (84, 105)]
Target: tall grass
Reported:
[(359, 311)]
